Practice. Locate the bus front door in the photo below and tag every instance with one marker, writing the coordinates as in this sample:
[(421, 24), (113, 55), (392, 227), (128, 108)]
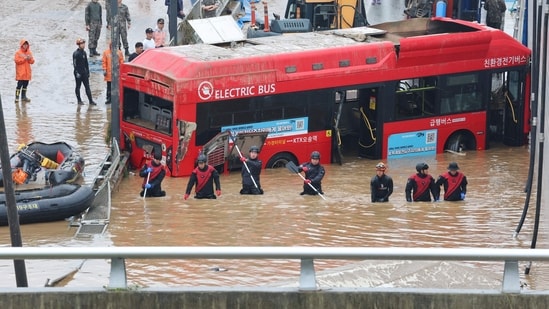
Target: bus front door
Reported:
[(513, 121), (367, 113), (336, 137), (507, 110)]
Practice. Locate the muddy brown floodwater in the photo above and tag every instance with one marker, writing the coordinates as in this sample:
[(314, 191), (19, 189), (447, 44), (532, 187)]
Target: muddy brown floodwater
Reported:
[(280, 217)]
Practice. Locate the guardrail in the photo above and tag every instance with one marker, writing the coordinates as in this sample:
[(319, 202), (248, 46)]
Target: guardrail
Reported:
[(307, 255)]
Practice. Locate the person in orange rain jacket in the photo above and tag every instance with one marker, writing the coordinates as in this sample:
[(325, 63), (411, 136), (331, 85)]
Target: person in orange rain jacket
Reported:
[(23, 60), (107, 69)]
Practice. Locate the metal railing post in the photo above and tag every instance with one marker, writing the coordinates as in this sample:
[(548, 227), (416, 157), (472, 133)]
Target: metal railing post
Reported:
[(118, 274), (307, 278), (511, 279)]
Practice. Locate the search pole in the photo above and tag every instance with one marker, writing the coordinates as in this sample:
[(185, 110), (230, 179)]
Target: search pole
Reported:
[(172, 26), (11, 204), (115, 66)]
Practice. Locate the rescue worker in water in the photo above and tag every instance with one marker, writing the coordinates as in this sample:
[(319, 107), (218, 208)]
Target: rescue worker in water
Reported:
[(381, 185), (203, 176), (250, 174), (153, 174), (421, 185), (454, 183), (314, 172)]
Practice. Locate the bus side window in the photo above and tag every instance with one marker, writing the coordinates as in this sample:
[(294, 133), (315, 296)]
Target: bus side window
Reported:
[(407, 106), (445, 106), (427, 102), (131, 104), (271, 114)]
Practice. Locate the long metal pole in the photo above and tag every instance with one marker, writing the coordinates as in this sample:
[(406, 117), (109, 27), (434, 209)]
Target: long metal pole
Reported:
[(11, 204), (534, 99), (172, 20), (115, 66), (541, 31)]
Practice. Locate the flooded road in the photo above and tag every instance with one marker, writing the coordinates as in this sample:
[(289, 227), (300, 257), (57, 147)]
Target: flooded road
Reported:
[(281, 217)]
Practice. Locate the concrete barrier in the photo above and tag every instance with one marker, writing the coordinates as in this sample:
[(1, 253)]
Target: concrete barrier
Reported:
[(265, 299), (306, 295)]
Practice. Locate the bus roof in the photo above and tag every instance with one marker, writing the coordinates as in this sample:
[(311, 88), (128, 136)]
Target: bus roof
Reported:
[(413, 42)]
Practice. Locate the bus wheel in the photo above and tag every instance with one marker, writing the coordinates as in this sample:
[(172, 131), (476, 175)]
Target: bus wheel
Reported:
[(280, 160), (460, 141)]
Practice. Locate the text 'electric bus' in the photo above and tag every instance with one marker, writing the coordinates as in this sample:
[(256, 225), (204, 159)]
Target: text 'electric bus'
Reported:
[(418, 86)]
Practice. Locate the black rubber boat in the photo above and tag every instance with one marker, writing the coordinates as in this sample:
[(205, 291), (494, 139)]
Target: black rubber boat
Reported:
[(60, 162), (49, 203)]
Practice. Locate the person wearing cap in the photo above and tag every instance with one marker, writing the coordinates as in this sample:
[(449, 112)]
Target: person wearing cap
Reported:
[(107, 68), (381, 185), (148, 42), (94, 20), (138, 51), (314, 172), (153, 173), (454, 182), (159, 34), (254, 166), (81, 71), (420, 186), (23, 59), (204, 176)]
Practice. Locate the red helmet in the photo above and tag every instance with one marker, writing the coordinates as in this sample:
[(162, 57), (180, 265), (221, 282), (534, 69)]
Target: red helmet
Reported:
[(80, 41)]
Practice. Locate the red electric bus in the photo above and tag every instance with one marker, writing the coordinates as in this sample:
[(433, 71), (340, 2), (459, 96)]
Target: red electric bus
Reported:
[(412, 87)]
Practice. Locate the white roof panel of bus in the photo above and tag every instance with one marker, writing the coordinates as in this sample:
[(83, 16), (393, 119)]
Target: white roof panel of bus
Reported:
[(279, 44)]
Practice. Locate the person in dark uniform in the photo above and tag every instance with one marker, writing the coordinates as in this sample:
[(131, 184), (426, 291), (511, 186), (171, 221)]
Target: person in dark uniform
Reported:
[(254, 164), (421, 185), (81, 71), (495, 12), (180, 12), (94, 20), (454, 182), (124, 22), (314, 172), (381, 185), (203, 176), (153, 175)]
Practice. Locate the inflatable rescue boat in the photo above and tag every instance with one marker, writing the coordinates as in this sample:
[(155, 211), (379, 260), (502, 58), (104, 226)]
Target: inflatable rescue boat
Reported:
[(49, 203), (60, 162)]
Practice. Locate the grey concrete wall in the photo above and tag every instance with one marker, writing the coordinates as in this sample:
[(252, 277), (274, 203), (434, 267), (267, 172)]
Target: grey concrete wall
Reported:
[(265, 299)]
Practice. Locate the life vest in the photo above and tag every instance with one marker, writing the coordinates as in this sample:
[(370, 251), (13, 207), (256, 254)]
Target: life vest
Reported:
[(202, 177), (454, 182), (422, 185), (19, 176), (155, 172)]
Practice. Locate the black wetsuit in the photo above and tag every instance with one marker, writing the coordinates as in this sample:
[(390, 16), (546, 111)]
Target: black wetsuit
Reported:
[(248, 186), (381, 188), (314, 173)]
